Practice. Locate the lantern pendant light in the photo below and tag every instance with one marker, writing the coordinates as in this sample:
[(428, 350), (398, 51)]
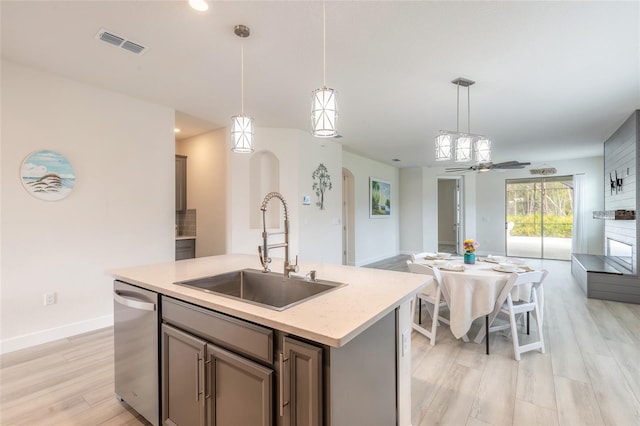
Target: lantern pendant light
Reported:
[(459, 146), (241, 125), (324, 107)]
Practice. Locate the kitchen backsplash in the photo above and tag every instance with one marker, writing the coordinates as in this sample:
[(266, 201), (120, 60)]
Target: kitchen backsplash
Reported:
[(186, 223)]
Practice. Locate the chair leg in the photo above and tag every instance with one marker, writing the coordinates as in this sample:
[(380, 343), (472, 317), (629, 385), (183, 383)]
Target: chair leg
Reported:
[(434, 324), (528, 323), (419, 311), (486, 322), (538, 318), (514, 332), (416, 299)]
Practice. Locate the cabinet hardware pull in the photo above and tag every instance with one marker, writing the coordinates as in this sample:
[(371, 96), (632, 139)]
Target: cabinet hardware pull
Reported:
[(207, 389), (198, 377), (281, 361)]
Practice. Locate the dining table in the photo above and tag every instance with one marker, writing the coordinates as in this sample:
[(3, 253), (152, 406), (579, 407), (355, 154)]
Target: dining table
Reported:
[(476, 290)]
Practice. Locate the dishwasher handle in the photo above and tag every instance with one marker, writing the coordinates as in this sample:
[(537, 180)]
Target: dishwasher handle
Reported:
[(132, 303)]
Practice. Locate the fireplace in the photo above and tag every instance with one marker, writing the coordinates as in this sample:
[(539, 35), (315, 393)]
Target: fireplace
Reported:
[(620, 252)]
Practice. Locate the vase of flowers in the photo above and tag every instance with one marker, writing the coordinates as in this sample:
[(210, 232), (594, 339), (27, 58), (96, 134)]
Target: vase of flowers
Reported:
[(470, 251)]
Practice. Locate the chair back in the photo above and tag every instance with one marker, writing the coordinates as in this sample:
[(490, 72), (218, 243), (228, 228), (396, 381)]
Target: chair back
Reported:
[(534, 278), (420, 268), (422, 255)]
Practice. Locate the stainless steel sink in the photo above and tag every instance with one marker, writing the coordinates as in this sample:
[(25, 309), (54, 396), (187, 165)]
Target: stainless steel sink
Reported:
[(267, 289)]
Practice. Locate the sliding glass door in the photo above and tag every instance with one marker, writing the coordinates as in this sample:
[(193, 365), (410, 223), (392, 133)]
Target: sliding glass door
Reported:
[(539, 217)]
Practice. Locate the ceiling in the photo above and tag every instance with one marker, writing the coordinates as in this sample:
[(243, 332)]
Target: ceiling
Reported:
[(553, 79)]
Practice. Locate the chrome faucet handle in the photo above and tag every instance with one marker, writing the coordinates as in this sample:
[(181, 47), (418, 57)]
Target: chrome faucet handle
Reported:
[(291, 267)]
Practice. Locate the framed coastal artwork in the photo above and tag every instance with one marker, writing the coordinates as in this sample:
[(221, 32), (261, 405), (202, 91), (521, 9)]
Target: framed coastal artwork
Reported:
[(380, 198), (47, 175)]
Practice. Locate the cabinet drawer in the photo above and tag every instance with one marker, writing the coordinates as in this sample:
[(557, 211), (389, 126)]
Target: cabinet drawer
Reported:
[(243, 337)]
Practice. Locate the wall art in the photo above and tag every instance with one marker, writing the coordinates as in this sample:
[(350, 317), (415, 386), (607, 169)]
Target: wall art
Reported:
[(47, 175), (380, 196), (321, 184)]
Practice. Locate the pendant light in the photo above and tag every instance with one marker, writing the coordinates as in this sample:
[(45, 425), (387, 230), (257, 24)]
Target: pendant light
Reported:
[(459, 146), (324, 107), (241, 125)]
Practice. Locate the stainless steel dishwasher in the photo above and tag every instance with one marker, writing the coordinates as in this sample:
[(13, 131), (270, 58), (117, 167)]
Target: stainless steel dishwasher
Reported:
[(137, 379)]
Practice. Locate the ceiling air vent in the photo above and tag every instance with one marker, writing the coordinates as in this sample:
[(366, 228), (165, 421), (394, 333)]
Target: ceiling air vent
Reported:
[(132, 47), (116, 40)]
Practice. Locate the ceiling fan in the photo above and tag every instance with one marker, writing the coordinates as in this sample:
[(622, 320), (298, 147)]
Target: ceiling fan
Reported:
[(485, 167)]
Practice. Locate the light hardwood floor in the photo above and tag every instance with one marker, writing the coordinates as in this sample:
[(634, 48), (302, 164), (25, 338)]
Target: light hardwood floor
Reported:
[(589, 375)]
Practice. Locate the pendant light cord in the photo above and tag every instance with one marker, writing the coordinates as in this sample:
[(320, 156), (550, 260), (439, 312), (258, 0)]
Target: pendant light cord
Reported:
[(324, 46), (468, 109), (458, 109), (242, 78)]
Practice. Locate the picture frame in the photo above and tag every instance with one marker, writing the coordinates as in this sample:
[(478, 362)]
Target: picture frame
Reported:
[(379, 198), (47, 175)]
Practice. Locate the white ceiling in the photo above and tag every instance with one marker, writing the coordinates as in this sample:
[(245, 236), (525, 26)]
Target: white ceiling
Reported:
[(553, 79)]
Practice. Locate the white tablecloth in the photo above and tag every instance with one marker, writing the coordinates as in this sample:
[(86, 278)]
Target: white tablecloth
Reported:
[(473, 293)]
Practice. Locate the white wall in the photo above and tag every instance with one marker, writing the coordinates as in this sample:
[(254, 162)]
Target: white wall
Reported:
[(320, 230), (241, 238), (411, 204), (314, 234), (483, 204), (207, 188), (490, 189), (376, 239), (120, 213)]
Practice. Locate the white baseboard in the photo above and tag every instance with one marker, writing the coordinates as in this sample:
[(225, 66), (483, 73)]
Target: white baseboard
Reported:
[(51, 334), (374, 259)]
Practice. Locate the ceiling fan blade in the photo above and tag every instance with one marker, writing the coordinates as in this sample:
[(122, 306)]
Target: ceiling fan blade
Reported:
[(510, 165), (459, 169)]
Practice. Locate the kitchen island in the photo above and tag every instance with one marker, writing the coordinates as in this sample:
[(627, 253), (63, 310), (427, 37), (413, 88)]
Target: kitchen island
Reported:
[(363, 330)]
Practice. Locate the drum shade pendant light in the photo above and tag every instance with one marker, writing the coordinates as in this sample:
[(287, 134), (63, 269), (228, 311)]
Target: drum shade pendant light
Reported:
[(459, 146), (324, 108), (241, 125)]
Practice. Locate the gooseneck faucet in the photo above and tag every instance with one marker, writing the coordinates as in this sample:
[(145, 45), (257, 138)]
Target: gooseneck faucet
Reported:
[(263, 250)]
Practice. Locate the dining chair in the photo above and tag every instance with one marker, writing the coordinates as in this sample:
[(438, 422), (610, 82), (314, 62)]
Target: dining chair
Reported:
[(433, 296), (422, 255), (516, 309)]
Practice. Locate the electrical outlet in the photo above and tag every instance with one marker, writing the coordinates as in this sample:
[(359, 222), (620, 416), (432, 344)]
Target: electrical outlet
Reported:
[(49, 299)]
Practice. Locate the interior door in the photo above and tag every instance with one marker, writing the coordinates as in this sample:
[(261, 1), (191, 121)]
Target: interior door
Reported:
[(449, 214)]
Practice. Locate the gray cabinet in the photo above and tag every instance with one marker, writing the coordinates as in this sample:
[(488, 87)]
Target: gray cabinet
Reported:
[(238, 390), (183, 399), (185, 249), (206, 384), (181, 183), (300, 387)]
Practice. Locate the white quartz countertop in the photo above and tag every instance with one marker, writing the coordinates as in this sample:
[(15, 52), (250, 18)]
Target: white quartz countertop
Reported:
[(333, 318)]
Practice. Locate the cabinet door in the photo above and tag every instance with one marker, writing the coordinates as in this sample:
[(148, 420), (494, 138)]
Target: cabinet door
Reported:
[(181, 183), (185, 249), (238, 390), (300, 384), (183, 399)]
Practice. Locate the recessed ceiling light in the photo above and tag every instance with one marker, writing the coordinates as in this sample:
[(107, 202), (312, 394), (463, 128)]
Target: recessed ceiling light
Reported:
[(199, 5), (176, 130)]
